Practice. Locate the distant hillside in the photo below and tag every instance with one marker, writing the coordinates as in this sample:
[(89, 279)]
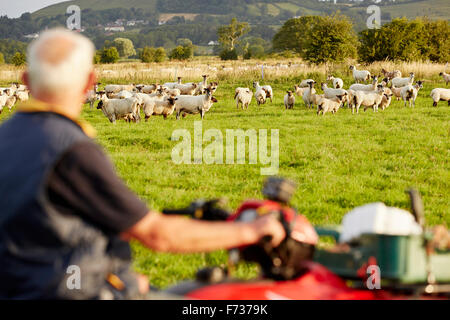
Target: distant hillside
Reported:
[(252, 9)]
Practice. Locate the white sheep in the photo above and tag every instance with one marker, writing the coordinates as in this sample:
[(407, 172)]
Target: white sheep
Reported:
[(304, 83), (10, 102), (332, 105), (365, 87), (92, 96), (186, 89), (121, 95), (119, 108), (440, 94), (243, 96), (337, 82), (3, 98), (299, 90), (401, 82), (267, 89), (260, 93), (149, 88), (171, 85), (409, 93), (308, 94), (332, 93), (366, 98), (22, 95), (360, 75), (446, 77), (116, 88), (194, 104), (289, 100), (164, 108)]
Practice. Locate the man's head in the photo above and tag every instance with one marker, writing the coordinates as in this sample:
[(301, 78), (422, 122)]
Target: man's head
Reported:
[(60, 67)]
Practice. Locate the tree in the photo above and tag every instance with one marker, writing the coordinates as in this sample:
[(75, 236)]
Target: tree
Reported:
[(125, 47), (405, 40), (19, 59), (109, 55), (230, 34), (2, 58), (181, 53), (150, 54), (318, 38)]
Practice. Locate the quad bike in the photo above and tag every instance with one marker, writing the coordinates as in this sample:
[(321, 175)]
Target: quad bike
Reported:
[(298, 270)]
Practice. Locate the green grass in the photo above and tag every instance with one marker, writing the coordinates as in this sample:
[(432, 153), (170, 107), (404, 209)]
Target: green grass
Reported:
[(338, 161)]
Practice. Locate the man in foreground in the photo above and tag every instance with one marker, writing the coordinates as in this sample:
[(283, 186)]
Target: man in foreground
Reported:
[(62, 206)]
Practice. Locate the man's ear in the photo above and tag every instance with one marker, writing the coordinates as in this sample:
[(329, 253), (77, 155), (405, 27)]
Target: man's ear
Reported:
[(92, 80), (25, 79)]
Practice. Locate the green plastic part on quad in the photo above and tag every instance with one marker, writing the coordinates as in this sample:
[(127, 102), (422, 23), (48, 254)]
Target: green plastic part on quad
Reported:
[(401, 259)]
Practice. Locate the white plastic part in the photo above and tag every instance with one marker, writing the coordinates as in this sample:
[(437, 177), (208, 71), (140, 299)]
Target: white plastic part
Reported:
[(377, 218)]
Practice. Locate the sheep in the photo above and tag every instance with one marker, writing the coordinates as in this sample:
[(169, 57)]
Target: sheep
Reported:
[(385, 101), (92, 96), (212, 87), (337, 82), (116, 88), (10, 102), (360, 75), (289, 100), (172, 92), (304, 83), (397, 92), (149, 88), (446, 77), (391, 74), (171, 85), (332, 105), (164, 108), (308, 93), (22, 95), (401, 82), (3, 98), (299, 90), (332, 93), (440, 94), (202, 85), (194, 104), (409, 93), (366, 98), (119, 108), (260, 93), (243, 96), (267, 88), (121, 95), (365, 87), (186, 89)]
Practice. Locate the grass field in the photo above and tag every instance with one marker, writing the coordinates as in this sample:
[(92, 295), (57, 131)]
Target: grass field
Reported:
[(338, 161)]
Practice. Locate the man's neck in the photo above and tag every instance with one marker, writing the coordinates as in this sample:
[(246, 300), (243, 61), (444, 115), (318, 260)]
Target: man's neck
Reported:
[(69, 107)]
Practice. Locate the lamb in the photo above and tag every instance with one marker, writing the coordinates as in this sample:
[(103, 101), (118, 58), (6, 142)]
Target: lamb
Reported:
[(119, 108), (409, 93), (289, 100), (366, 98), (365, 87), (186, 89), (337, 82), (332, 93), (171, 85), (446, 77), (391, 74), (267, 88), (440, 94), (260, 94), (308, 94), (164, 108), (243, 96), (397, 92), (401, 82), (385, 101), (195, 104), (329, 105), (360, 75)]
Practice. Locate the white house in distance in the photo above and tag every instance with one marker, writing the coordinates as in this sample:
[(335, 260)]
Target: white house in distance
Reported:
[(115, 28)]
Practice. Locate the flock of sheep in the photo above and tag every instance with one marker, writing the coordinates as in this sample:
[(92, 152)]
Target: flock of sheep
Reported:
[(374, 95), (127, 101)]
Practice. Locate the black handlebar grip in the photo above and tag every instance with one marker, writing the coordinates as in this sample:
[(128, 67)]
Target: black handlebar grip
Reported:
[(177, 212)]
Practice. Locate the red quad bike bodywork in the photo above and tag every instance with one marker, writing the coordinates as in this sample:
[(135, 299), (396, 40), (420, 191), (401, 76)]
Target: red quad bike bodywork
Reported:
[(317, 283)]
